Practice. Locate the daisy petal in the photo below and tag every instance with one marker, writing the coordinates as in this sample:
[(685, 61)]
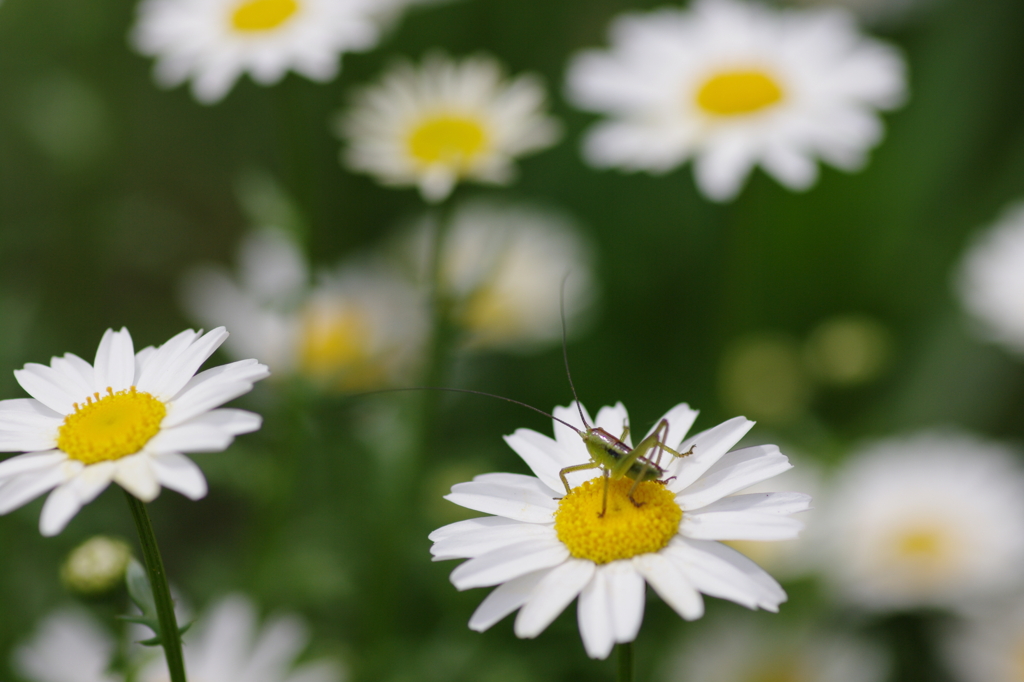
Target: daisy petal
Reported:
[(626, 591), (782, 504), (60, 507), (708, 447), (469, 526), (190, 437), (723, 572), (614, 420), (135, 474), (671, 584), (553, 593), (168, 376), (24, 488), (179, 473), (473, 543), (64, 502), (739, 526), (27, 425), (513, 496), (506, 563), (31, 461), (680, 418), (49, 387), (735, 471), (76, 370), (212, 388), (595, 618), (544, 456), (233, 421), (504, 599), (575, 448), (115, 362)]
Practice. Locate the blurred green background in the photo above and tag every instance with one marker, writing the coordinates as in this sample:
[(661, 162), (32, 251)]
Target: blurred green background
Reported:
[(110, 188)]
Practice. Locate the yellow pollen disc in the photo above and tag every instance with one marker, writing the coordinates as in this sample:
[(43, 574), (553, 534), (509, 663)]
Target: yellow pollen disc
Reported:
[(448, 139), (110, 427), (262, 15), (922, 544), (335, 349), (734, 93), (625, 530)]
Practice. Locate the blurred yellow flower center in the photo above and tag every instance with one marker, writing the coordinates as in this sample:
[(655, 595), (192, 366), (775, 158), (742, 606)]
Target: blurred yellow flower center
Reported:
[(335, 348), (263, 15), (733, 93), (448, 139), (491, 314), (625, 530), (110, 427), (923, 543)]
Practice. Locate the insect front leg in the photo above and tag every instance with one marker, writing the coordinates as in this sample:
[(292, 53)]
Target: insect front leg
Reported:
[(575, 467)]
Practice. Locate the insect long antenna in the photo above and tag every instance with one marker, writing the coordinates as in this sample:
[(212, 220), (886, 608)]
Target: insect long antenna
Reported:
[(469, 390), (565, 351)]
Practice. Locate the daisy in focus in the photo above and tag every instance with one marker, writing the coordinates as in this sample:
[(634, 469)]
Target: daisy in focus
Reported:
[(360, 326), (127, 418), (934, 519), (433, 125), (990, 280), (501, 268), (228, 644), (735, 84), (543, 547), (213, 42)]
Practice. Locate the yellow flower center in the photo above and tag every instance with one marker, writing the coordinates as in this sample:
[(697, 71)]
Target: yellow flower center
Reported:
[(110, 427), (922, 543), (262, 15), (734, 93), (625, 530), (449, 139), (335, 349)]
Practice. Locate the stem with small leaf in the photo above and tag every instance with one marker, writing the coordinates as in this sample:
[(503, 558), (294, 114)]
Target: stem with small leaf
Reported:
[(170, 636)]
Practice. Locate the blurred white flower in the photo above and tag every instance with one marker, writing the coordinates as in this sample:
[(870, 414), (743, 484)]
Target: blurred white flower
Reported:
[(359, 327), (989, 645), (96, 566), (501, 269), (444, 121), (126, 419), (213, 42), (990, 280), (227, 644), (67, 646), (545, 547), (734, 84), (934, 519), (750, 649), (877, 12)]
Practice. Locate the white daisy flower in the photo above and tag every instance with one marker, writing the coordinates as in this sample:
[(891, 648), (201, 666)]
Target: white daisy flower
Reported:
[(934, 519), (501, 270), (753, 650), (543, 547), (989, 645), (990, 280), (445, 121), (227, 644), (359, 327), (127, 418), (68, 646), (213, 42), (735, 84)]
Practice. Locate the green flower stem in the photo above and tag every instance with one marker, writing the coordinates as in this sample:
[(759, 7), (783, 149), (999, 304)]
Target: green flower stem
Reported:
[(170, 637), (625, 661)]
